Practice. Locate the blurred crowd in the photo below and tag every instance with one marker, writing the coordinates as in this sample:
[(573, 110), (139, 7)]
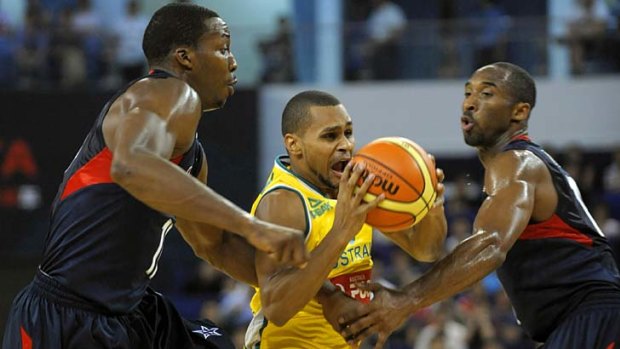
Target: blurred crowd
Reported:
[(481, 318), (68, 44), (397, 39), (69, 47)]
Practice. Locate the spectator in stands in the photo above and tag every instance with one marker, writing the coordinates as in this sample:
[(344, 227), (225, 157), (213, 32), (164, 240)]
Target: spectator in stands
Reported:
[(7, 54), (491, 42), (277, 54), (585, 36), (385, 26), (66, 53), (33, 44), (444, 325), (88, 25), (128, 32)]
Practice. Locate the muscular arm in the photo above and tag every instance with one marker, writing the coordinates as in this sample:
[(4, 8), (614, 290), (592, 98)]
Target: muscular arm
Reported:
[(151, 122), (285, 291), (225, 251), (143, 130), (425, 241), (511, 181)]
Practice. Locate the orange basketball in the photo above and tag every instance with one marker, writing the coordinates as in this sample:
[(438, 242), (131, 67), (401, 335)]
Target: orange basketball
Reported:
[(406, 174)]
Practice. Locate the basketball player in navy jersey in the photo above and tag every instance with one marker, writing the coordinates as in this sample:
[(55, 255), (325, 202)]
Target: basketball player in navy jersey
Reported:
[(533, 228), (139, 171)]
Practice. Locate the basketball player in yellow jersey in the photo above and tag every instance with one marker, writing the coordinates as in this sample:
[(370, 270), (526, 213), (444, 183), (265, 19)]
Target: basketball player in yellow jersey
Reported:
[(313, 189)]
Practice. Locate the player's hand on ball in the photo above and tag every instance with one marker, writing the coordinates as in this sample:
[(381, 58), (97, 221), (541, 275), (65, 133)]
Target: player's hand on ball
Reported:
[(440, 189), (351, 210), (283, 244)]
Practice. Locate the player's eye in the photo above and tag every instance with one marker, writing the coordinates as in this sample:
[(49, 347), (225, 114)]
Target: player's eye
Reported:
[(330, 135), (348, 133)]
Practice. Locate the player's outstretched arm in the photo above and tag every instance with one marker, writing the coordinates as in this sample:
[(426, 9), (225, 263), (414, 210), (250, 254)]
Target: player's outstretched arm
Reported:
[(285, 291), (425, 240), (511, 184), (147, 126), (227, 252)]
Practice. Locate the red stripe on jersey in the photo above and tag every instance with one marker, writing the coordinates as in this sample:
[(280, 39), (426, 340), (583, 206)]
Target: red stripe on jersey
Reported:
[(26, 340), (554, 227), (611, 345), (95, 171), (347, 283), (178, 159), (521, 138)]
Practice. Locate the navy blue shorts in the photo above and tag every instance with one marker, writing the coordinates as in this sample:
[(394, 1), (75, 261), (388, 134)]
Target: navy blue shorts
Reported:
[(593, 327), (47, 315)]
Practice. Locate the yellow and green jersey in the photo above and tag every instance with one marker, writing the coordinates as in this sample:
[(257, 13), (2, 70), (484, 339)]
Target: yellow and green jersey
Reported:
[(308, 328)]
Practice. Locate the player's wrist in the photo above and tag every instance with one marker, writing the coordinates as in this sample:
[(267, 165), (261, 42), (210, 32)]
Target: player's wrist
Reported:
[(326, 293)]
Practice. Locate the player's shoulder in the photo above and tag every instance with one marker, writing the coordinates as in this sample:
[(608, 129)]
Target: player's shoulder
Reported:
[(170, 95), (521, 163), (281, 197), (283, 205)]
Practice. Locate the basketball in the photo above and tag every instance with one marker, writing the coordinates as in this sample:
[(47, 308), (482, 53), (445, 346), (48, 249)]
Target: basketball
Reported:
[(405, 174)]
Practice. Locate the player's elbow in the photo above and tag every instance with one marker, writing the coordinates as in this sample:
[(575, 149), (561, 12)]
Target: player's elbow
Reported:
[(491, 247), (121, 172), (428, 256), (276, 316), (276, 309)]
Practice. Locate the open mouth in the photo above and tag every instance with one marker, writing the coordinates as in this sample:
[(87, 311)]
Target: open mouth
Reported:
[(466, 123), (338, 166)]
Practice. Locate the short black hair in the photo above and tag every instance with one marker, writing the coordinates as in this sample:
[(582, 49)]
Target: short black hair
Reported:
[(174, 25), (296, 114), (520, 83)]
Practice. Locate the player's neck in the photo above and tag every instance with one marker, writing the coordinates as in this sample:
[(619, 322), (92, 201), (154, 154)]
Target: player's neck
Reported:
[(164, 68), (488, 152), (310, 177)]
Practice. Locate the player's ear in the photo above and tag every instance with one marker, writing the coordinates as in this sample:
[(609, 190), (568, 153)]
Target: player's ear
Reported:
[(292, 144), (521, 112), (183, 56)]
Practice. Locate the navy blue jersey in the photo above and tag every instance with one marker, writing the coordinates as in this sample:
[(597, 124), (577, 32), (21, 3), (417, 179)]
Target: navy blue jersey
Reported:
[(104, 244), (561, 264)]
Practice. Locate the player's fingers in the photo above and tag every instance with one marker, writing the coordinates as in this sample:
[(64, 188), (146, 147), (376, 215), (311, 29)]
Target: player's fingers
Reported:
[(440, 175), (359, 195), (374, 203), (277, 253), (357, 172), (346, 175), (382, 338), (363, 334), (358, 326), (353, 315), (432, 158), (369, 286)]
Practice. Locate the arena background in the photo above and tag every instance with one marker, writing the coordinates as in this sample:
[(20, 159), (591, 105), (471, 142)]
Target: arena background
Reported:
[(44, 116)]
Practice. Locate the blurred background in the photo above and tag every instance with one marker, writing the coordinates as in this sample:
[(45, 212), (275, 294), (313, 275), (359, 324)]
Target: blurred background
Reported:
[(398, 66)]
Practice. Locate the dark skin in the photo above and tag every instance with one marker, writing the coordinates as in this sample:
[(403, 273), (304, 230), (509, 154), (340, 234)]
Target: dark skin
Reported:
[(327, 140), (156, 120), (515, 181)]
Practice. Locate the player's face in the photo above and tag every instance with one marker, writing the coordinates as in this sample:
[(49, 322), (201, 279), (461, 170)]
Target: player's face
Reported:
[(328, 144), (215, 65), (487, 107)]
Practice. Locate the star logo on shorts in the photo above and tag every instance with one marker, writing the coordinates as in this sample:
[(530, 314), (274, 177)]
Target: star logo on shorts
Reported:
[(207, 332)]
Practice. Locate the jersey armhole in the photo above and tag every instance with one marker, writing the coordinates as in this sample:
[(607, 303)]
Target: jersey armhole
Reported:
[(303, 202)]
